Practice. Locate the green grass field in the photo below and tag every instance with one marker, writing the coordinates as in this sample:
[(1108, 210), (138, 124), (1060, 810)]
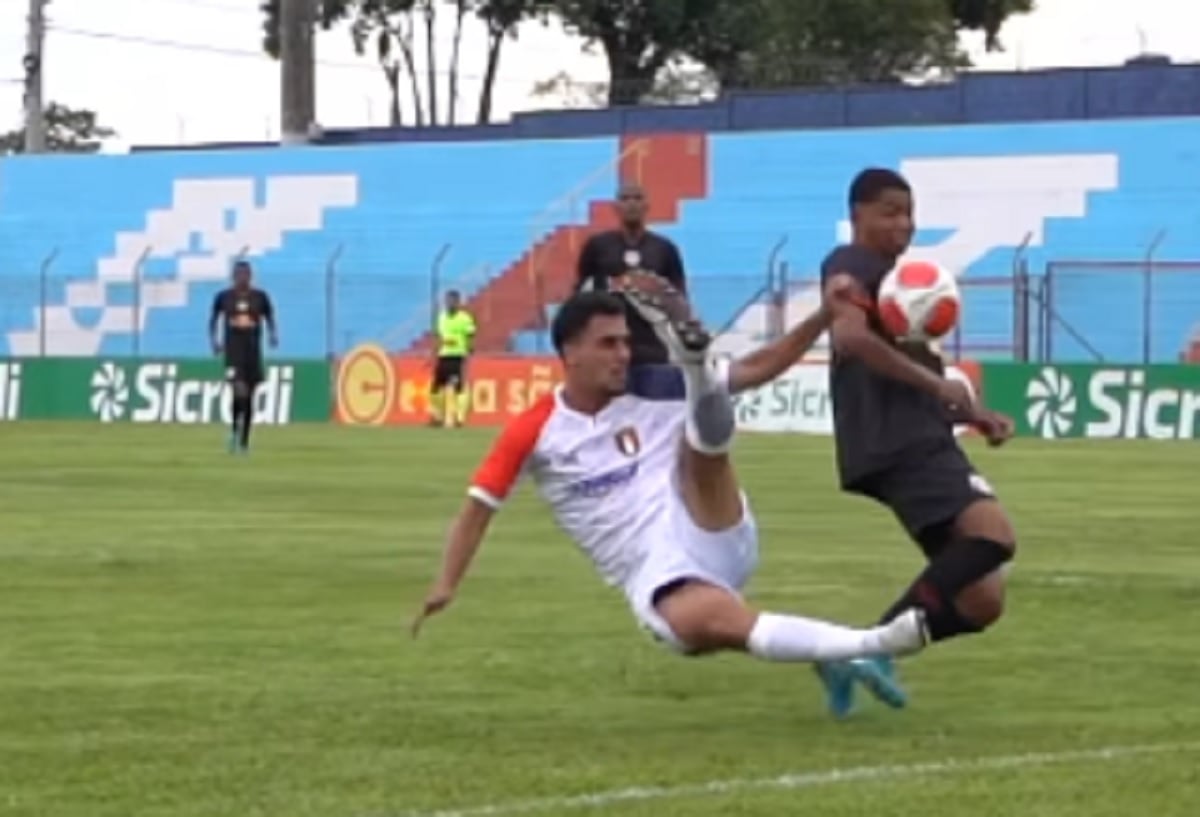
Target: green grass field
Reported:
[(183, 633)]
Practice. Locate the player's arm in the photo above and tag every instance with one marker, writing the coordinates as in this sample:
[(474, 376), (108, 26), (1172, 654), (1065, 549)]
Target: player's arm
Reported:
[(268, 314), (462, 543), (218, 306), (768, 362), (493, 481), (674, 268), (469, 330), (851, 336), (586, 267)]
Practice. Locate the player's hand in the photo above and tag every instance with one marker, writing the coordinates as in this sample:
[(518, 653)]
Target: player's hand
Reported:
[(437, 600), (956, 395), (996, 428), (216, 347)]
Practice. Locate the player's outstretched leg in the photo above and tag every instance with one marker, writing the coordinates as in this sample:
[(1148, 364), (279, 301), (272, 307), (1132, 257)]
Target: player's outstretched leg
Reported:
[(706, 476), (701, 615)]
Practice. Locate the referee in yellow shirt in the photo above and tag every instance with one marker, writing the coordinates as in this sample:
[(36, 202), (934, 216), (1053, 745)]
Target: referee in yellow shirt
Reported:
[(456, 334)]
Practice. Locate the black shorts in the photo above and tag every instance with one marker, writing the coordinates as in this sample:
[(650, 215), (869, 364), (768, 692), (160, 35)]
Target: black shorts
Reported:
[(448, 372), (927, 492), (244, 368)]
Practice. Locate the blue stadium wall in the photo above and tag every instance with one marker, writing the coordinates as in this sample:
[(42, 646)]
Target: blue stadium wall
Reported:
[(73, 229)]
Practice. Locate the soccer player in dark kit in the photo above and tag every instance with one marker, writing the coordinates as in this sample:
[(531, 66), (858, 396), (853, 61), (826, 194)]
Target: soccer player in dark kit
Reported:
[(894, 415), (632, 248), (245, 309)]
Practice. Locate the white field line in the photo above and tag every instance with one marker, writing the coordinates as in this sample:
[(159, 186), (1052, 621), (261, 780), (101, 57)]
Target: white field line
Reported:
[(808, 780)]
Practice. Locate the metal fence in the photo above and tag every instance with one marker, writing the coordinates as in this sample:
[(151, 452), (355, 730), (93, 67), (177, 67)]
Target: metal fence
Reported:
[(1133, 311), (1120, 312)]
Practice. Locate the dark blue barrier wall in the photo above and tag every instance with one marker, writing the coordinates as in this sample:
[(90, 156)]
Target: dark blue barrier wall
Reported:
[(1041, 96)]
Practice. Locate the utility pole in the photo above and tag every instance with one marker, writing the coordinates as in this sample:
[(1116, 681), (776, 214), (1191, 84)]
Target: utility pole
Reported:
[(297, 58), (35, 115)]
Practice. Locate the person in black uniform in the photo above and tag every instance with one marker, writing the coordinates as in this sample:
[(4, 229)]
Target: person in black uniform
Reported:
[(894, 413), (245, 309), (632, 248)]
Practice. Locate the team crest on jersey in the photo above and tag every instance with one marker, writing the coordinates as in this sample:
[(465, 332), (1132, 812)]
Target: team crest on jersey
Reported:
[(628, 442)]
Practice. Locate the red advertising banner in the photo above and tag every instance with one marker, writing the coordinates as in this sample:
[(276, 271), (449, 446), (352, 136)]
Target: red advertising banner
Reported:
[(375, 388)]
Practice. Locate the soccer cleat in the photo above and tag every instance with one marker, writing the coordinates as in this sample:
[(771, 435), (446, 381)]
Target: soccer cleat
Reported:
[(668, 313), (838, 681), (878, 675)]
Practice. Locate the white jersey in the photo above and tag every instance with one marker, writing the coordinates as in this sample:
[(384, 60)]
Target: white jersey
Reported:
[(607, 477)]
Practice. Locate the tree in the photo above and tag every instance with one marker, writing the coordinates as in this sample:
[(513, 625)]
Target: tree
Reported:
[(638, 36), (988, 16), (810, 42), (776, 43), (804, 42), (502, 18), (68, 130), (388, 29)]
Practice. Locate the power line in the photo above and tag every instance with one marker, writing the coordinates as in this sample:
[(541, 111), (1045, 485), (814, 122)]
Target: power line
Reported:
[(241, 53), (242, 11), (180, 45)]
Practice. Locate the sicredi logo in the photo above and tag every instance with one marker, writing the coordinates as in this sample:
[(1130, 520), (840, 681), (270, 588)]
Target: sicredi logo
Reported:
[(1111, 403), (1129, 406), (159, 394), (1051, 405)]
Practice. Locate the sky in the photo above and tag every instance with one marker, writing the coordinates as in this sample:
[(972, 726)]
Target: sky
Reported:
[(175, 71)]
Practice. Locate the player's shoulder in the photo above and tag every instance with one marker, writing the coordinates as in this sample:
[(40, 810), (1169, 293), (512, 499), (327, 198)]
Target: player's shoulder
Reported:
[(529, 425), (660, 238), (851, 259), (843, 255)]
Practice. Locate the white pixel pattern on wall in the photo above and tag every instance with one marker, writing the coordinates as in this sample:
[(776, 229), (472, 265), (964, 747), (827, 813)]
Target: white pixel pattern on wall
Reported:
[(223, 218)]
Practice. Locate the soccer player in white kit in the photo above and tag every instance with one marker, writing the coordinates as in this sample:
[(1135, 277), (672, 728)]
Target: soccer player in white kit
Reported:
[(646, 488)]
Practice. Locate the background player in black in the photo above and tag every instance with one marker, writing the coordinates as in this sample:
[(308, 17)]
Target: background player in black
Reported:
[(245, 310), (632, 248), (894, 412)]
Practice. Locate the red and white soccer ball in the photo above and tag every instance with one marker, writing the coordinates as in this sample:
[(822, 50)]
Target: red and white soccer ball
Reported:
[(919, 301)]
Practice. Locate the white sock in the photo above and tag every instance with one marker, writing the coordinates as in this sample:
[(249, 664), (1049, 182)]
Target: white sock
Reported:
[(795, 638), (710, 419)]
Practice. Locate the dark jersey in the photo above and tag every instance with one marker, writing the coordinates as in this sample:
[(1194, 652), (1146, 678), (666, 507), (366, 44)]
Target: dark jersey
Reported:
[(611, 254), (878, 421), (244, 313)]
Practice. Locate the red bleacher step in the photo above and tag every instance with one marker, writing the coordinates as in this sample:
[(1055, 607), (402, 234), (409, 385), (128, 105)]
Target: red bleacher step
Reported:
[(671, 168)]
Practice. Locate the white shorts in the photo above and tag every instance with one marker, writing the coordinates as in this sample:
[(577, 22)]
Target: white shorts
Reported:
[(677, 549)]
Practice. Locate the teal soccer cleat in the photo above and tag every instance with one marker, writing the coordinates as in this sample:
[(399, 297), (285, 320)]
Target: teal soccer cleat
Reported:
[(878, 675), (838, 679)]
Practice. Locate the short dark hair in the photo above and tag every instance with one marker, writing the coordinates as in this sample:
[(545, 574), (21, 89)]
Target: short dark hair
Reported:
[(576, 314), (871, 183)]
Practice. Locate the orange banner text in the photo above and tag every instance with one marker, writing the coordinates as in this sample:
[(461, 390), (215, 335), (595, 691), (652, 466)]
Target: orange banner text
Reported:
[(375, 388)]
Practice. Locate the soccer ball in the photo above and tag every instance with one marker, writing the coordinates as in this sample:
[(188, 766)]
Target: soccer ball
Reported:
[(919, 301)]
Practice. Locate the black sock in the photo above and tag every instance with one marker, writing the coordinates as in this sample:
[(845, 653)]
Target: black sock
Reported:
[(236, 424), (958, 566), (247, 420)]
